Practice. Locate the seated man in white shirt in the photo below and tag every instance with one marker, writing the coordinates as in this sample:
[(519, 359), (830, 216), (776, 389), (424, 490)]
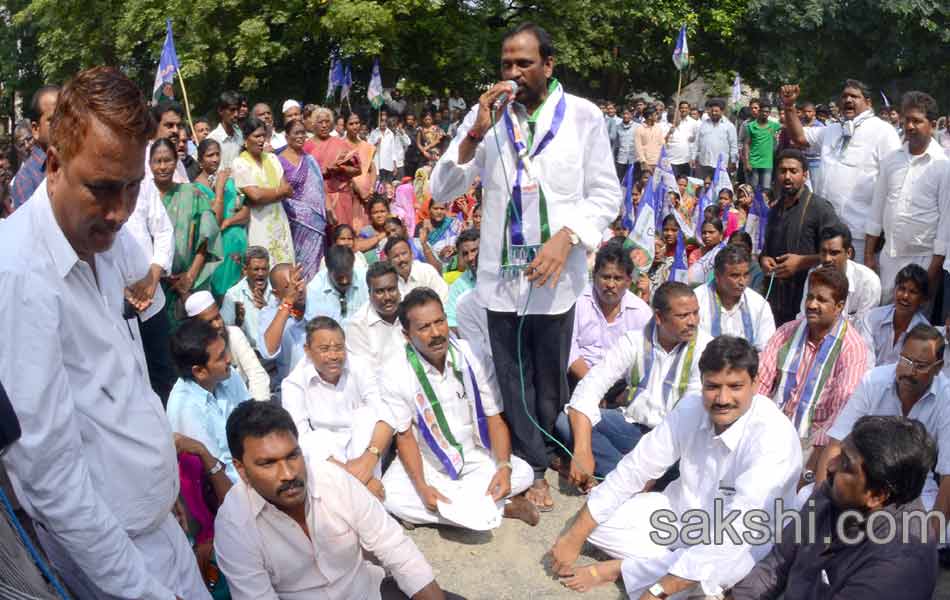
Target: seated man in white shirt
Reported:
[(660, 364), (728, 306), (201, 305), (913, 388), (207, 390), (864, 286), (455, 464), (884, 328), (374, 333), (295, 528), (413, 273), (242, 304), (737, 452), (336, 407)]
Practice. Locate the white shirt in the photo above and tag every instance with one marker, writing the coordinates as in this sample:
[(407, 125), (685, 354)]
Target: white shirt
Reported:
[(650, 406), (153, 233), (248, 365), (581, 190), (423, 275), (472, 320), (878, 331), (763, 323), (371, 337), (96, 464), (265, 555), (910, 202), (877, 395), (321, 406), (847, 177), (399, 388), (231, 145), (277, 140), (864, 292), (759, 457), (456, 104), (385, 142), (680, 147)]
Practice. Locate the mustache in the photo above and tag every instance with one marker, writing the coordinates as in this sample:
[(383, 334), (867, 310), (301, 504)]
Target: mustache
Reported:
[(289, 485), (437, 341), (722, 406)]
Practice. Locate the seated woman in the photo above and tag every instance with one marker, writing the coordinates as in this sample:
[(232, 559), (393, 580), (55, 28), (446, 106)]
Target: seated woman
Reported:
[(727, 213), (701, 260), (372, 238), (343, 235)]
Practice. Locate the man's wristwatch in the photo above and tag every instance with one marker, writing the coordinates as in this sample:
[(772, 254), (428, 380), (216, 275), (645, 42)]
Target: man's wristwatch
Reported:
[(808, 476), (218, 465), (373, 450), (657, 590), (504, 464), (574, 239)]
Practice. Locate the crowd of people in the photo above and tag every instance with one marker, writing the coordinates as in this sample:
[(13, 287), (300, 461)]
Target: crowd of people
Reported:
[(245, 358)]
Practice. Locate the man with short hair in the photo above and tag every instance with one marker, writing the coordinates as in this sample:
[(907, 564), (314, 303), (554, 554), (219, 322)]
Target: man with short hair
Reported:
[(759, 149), (243, 302), (96, 463), (851, 154), (659, 366), (910, 206), (606, 311), (282, 326), (228, 133), (336, 407), (864, 286), (33, 170), (612, 121), (374, 333), (441, 396), (202, 129), (886, 327), (466, 246), (207, 390), (737, 454), (275, 140), (884, 463), (812, 365), (338, 291), (201, 305), (168, 118), (649, 139), (809, 118), (727, 305), (714, 138), (295, 527), (791, 235), (413, 273), (680, 140), (384, 138), (626, 153)]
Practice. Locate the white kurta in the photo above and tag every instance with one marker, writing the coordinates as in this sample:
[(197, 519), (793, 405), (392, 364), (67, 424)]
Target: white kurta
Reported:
[(763, 323)]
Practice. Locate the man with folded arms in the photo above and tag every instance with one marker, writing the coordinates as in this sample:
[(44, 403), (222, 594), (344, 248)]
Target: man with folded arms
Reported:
[(374, 332), (737, 452)]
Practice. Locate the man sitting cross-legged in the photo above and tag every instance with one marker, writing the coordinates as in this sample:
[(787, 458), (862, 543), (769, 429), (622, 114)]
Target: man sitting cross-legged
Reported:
[(737, 452), (455, 465), (335, 404), (296, 529)]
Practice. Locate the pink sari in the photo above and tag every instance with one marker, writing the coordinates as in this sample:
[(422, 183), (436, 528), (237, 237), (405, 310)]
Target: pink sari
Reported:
[(339, 188), (364, 184), (404, 206)]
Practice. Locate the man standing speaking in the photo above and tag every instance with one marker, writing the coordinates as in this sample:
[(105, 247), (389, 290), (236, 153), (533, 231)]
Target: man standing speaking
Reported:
[(549, 192)]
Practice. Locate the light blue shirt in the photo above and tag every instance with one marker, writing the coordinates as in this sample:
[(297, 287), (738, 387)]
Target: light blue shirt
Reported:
[(877, 327), (464, 283), (197, 413), (324, 300), (714, 139), (290, 350), (241, 292)]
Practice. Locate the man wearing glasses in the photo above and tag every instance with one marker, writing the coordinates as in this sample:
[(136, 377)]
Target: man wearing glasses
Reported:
[(913, 388), (337, 291)]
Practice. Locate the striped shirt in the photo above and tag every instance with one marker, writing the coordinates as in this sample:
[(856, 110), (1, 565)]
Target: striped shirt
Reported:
[(32, 172), (845, 376)]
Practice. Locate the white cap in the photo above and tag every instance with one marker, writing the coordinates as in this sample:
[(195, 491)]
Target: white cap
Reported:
[(198, 302), (288, 104)]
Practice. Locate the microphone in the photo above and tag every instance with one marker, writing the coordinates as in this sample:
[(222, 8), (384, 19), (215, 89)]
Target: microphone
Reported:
[(504, 97)]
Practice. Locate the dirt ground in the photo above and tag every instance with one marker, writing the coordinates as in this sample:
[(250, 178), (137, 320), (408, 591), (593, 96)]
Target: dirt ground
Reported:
[(508, 563)]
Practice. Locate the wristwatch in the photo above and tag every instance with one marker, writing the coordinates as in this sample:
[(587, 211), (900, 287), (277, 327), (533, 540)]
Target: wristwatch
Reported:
[(657, 590), (808, 476), (473, 135), (217, 467), (504, 464), (574, 239), (373, 450)]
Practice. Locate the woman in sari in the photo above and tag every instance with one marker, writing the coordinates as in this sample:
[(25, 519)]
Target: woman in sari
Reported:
[(339, 164), (701, 260), (429, 136), (372, 238), (306, 209), (230, 211), (197, 240), (364, 185), (404, 203), (343, 235), (421, 185), (260, 177)]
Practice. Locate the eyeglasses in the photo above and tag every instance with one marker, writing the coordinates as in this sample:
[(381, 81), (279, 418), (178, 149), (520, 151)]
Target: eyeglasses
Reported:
[(917, 366)]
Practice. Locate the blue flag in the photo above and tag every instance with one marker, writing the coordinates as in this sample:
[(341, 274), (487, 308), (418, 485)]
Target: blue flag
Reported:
[(757, 221), (681, 52), (335, 78), (167, 64), (374, 93), (720, 181), (347, 81), (679, 271), (629, 211)]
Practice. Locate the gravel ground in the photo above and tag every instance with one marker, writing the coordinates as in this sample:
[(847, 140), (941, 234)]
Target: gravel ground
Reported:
[(508, 563)]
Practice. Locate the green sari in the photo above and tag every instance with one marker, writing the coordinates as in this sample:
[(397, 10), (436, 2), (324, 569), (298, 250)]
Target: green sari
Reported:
[(195, 224), (233, 241)]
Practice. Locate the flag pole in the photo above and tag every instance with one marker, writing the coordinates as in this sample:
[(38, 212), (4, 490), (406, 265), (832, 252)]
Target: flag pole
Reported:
[(184, 94), (679, 88)]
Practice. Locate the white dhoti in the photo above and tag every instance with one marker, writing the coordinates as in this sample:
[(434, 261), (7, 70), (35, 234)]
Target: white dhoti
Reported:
[(166, 550), (404, 502), (344, 444), (890, 267), (626, 536)]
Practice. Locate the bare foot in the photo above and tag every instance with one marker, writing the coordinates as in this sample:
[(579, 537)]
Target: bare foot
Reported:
[(521, 508), (540, 495), (589, 577)]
